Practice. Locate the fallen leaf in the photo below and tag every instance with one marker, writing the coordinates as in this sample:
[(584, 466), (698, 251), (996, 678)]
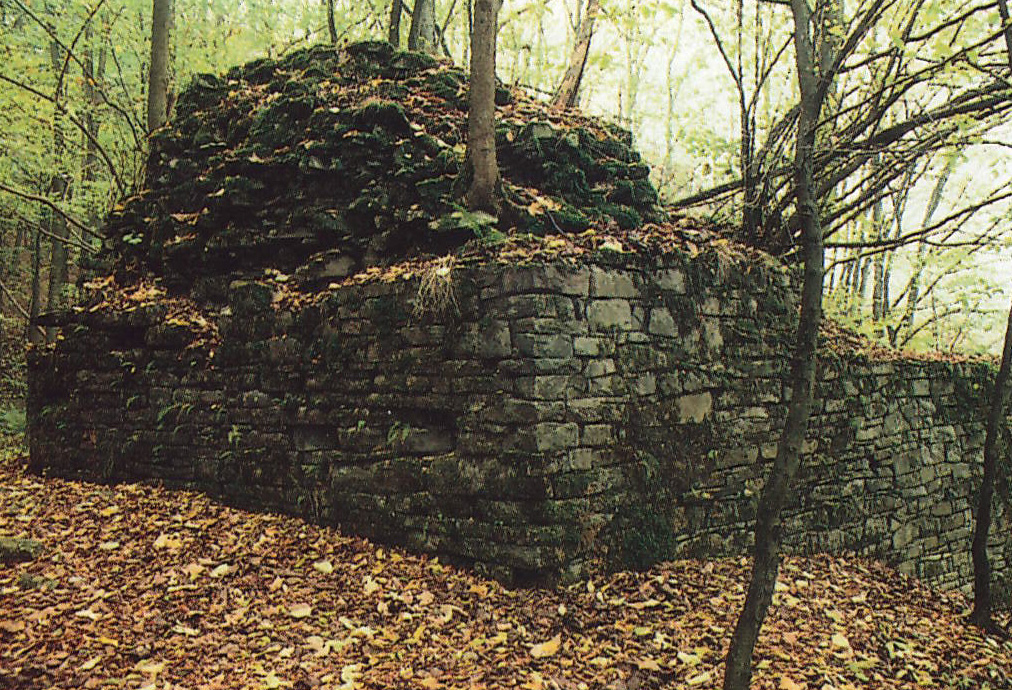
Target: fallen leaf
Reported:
[(648, 664), (688, 658), (152, 668), (544, 649), (164, 541), (787, 684), (325, 567), (700, 678), (300, 610), (221, 571), (90, 664), (87, 613)]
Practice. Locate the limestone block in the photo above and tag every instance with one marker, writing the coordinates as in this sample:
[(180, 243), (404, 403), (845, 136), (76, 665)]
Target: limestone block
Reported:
[(645, 384), (610, 315), (560, 279), (599, 367), (662, 323), (606, 385), (597, 409), (597, 435), (557, 346), (605, 282), (548, 387), (712, 335), (695, 408), (904, 536), (547, 437), (670, 280)]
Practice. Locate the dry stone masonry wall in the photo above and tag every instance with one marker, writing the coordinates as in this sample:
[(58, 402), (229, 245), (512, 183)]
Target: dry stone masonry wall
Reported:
[(537, 421)]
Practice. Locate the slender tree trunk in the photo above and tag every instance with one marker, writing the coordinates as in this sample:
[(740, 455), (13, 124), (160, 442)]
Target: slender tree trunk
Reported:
[(394, 34), (1006, 22), (331, 24), (59, 190), (569, 87), (981, 614), (914, 286), (35, 336), (878, 270), (422, 36), (483, 194), (768, 529), (59, 258), (158, 77), (13, 265)]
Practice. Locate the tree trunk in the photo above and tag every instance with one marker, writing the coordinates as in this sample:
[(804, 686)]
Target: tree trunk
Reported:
[(59, 190), (59, 258), (1006, 22), (394, 35), (878, 290), (35, 336), (331, 25), (569, 87), (768, 530), (422, 36), (158, 76), (483, 194), (981, 614), (914, 286)]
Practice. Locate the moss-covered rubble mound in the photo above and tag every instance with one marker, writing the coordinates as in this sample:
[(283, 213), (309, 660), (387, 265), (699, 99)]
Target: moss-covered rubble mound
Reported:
[(331, 160)]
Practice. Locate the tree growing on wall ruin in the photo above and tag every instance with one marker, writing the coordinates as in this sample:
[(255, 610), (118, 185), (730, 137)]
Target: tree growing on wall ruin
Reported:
[(483, 194)]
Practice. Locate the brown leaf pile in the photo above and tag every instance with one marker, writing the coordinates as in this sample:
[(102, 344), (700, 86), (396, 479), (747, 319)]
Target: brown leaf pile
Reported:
[(139, 587)]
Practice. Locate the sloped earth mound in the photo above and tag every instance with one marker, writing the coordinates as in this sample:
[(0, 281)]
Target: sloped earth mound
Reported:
[(139, 587), (345, 159)]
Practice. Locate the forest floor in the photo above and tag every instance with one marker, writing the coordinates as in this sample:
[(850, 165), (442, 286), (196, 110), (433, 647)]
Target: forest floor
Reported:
[(139, 587)]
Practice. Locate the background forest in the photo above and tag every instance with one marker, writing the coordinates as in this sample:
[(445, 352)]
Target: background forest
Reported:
[(913, 155)]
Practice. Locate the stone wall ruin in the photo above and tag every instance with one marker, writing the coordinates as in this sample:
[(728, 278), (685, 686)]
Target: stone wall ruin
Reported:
[(541, 420)]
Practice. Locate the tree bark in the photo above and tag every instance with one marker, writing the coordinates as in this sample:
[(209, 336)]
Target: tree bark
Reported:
[(1006, 22), (981, 613), (59, 257), (394, 34), (331, 24), (35, 336), (768, 530), (158, 76), (481, 155), (422, 35), (59, 190), (569, 87)]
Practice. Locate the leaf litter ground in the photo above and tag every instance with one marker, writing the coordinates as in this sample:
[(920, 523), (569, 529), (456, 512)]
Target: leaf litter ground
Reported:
[(139, 587)]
